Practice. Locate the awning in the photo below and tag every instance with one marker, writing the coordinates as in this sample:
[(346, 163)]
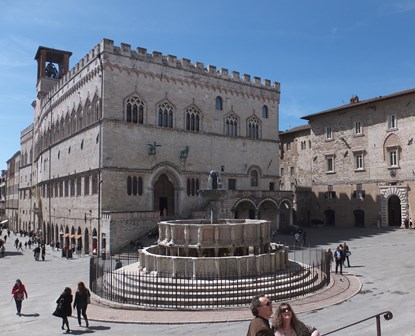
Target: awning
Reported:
[(4, 222), (78, 236), (66, 235)]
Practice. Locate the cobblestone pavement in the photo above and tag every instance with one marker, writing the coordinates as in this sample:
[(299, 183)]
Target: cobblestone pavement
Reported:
[(381, 262)]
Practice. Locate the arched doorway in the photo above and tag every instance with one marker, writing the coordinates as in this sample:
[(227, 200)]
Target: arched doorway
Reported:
[(359, 218), (245, 210), (164, 195), (330, 217), (394, 211), (285, 214), (268, 211)]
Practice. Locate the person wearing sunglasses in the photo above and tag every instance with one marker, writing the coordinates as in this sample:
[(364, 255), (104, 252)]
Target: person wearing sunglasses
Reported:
[(286, 323), (261, 308)]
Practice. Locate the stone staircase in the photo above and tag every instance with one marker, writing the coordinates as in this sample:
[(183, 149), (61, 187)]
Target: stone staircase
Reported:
[(127, 285)]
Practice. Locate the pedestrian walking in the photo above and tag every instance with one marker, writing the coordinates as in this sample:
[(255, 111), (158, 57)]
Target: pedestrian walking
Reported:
[(29, 243), (82, 299), (347, 254), (19, 292), (339, 258), (5, 238), (261, 308), (2, 251), (16, 243), (65, 303), (25, 244), (36, 252), (20, 247), (43, 252)]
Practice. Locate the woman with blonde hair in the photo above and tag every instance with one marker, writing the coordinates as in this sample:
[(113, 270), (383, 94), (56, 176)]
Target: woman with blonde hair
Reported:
[(286, 323), (82, 299)]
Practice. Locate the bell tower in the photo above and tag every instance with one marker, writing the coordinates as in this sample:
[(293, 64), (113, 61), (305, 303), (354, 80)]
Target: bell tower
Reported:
[(52, 64)]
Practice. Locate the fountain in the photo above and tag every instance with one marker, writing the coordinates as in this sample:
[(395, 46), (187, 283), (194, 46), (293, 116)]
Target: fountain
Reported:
[(200, 263)]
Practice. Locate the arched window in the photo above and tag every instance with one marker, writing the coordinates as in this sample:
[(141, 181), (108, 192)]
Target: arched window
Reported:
[(80, 117), (135, 110), (254, 178), (265, 111), (165, 115), (129, 185), (218, 103), (192, 119), (253, 128), (231, 125)]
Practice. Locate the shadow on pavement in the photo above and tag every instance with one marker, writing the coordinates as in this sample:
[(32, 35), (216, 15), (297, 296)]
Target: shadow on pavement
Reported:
[(334, 235), (99, 328), (30, 315)]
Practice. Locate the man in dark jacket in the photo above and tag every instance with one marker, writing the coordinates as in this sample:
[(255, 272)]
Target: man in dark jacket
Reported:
[(261, 308)]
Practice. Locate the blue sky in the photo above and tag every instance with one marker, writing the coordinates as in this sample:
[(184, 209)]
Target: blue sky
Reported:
[(322, 52)]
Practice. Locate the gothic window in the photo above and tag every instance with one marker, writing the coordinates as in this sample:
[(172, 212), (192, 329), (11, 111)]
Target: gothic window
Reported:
[(193, 119), (192, 186), (231, 125), (265, 111), (80, 118), (73, 122), (218, 103), (135, 110), (165, 115), (253, 128)]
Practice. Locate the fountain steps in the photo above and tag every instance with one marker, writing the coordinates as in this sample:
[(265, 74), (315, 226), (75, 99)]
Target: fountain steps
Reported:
[(158, 292)]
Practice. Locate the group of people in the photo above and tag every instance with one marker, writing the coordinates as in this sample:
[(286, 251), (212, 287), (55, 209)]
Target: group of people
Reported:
[(341, 256), (64, 303), (284, 323)]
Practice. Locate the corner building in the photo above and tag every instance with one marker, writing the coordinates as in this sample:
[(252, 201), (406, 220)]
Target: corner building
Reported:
[(362, 162), (126, 137)]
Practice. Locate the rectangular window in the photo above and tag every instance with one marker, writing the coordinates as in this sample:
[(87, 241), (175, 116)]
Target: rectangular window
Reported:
[(95, 184), (330, 164), (232, 184), (72, 187), (358, 161), (86, 185), (66, 188), (392, 121), (329, 133), (393, 158), (292, 171), (78, 186), (282, 171), (271, 186), (358, 128)]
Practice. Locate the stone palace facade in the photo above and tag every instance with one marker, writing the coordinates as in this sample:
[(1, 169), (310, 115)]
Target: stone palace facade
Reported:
[(126, 137)]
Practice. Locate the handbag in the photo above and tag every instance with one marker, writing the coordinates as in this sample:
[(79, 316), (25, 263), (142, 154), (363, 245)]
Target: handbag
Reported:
[(59, 311)]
